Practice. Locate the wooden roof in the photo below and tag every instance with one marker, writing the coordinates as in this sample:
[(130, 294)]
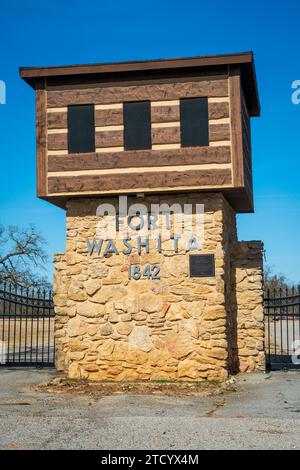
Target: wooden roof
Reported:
[(164, 66)]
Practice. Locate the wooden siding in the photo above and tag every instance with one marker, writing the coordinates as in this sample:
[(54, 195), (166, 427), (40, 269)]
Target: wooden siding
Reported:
[(240, 140), (165, 167), (162, 113), (139, 158), (119, 94), (164, 98), (163, 180)]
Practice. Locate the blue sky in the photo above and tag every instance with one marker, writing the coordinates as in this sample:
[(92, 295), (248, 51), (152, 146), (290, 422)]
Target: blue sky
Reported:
[(40, 33)]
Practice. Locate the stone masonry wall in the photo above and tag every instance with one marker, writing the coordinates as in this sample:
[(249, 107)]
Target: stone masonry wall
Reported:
[(247, 303), (175, 328)]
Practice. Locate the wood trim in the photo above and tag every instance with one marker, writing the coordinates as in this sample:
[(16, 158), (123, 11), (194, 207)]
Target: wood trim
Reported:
[(41, 138), (163, 103), (139, 158), (103, 107), (161, 125), (236, 197), (219, 121), (109, 150), (99, 74), (143, 169), (57, 152), (57, 131), (64, 109), (197, 61), (106, 128), (236, 126), (220, 143), (165, 146), (137, 181), (219, 99)]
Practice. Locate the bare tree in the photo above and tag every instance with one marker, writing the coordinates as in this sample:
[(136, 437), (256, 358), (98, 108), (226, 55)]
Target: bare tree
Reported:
[(22, 256), (274, 281)]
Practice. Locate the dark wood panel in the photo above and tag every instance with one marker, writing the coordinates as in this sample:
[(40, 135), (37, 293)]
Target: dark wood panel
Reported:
[(113, 94), (219, 132), (166, 135), (41, 139), (139, 158), (194, 122), (135, 181), (137, 125), (239, 200), (81, 128), (109, 139), (165, 113), (218, 110)]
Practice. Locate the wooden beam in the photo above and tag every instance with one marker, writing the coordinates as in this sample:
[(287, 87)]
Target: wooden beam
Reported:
[(198, 61), (165, 135), (236, 126), (140, 181), (219, 132), (113, 94), (41, 138), (139, 158)]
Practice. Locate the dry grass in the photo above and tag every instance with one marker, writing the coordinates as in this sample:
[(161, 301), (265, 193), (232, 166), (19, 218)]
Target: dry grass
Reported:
[(22, 333), (97, 390)]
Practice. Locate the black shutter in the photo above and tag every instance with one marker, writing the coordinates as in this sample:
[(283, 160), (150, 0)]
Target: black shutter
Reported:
[(137, 125), (202, 265), (194, 122), (81, 128)]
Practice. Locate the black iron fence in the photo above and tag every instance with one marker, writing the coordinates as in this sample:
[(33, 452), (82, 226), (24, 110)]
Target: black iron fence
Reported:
[(26, 327), (282, 325)]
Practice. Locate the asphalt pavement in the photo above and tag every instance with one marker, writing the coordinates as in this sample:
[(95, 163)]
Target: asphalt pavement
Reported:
[(263, 413)]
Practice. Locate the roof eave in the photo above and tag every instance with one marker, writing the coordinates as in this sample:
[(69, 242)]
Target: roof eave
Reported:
[(32, 75)]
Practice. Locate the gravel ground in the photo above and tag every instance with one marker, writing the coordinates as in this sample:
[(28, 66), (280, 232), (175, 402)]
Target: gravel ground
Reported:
[(263, 413)]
